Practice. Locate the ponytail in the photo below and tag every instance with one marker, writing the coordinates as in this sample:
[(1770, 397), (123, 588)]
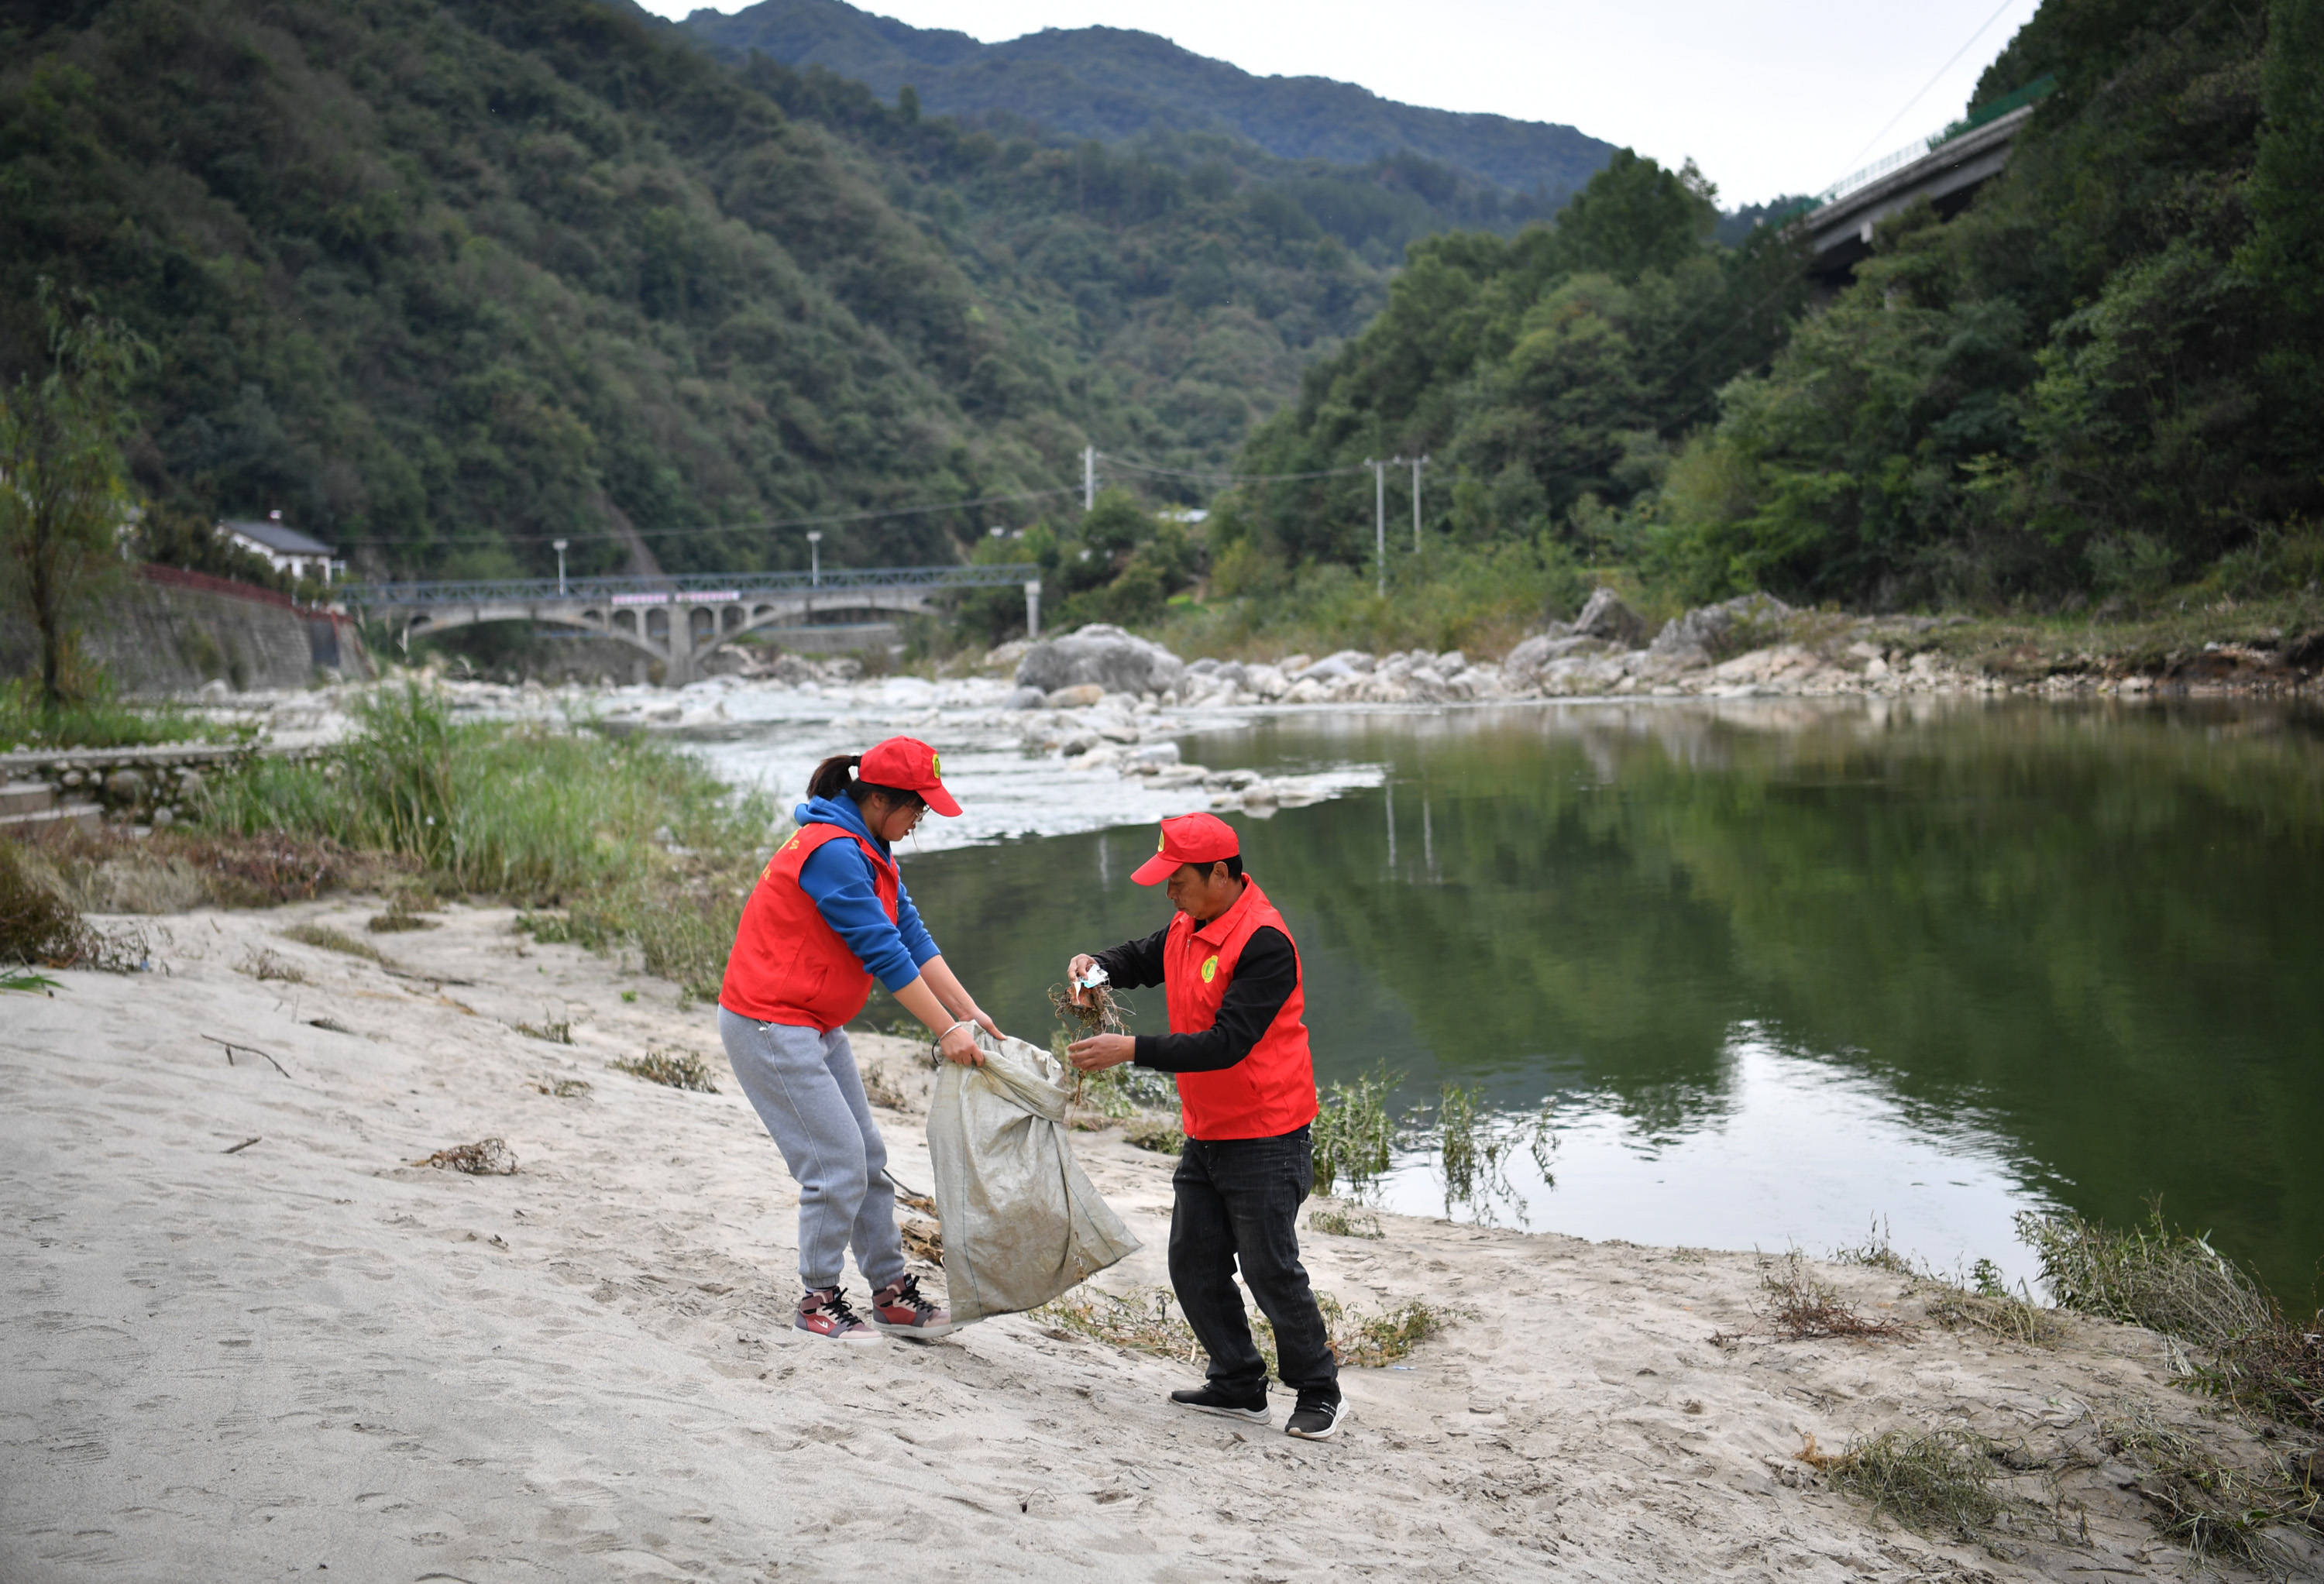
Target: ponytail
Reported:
[(834, 778)]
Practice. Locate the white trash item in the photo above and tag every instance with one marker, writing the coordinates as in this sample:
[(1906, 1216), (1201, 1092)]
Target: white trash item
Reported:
[(1022, 1223)]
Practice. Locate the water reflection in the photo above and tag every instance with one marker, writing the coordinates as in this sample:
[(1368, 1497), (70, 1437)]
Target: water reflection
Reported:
[(1780, 966)]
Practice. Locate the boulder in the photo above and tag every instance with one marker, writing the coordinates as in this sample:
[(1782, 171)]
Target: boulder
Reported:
[(1080, 697), (1536, 654), (1266, 681), (1606, 617), (1025, 698), (1710, 632), (1004, 656), (1099, 656)]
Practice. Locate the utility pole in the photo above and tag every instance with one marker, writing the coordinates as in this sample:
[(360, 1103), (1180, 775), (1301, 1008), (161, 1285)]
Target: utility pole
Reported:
[(1417, 464), (814, 559), (560, 567), (1379, 519), (1089, 477)]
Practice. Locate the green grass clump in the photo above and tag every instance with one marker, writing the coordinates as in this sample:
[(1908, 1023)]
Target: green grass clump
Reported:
[(100, 723), (324, 937), (676, 1069), (37, 924), (1940, 1482), (1345, 1223), (1158, 1134)]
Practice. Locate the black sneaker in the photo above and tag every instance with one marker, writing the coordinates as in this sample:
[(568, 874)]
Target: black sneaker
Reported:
[(1211, 1400), (1318, 1417)]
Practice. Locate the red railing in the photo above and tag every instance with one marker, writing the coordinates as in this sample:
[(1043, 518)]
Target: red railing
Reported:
[(178, 577)]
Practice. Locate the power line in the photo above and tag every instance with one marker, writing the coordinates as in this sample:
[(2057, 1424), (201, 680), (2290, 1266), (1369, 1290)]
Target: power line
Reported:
[(1227, 477), (1916, 98)]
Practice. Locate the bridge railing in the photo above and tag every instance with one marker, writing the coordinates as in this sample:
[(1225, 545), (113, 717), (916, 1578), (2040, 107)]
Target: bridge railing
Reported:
[(681, 589)]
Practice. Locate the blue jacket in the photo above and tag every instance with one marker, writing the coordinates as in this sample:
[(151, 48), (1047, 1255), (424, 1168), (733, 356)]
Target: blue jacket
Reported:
[(838, 877)]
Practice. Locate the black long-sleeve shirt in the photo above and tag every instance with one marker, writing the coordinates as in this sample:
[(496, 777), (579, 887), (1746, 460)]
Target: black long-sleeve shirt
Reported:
[(1264, 978)]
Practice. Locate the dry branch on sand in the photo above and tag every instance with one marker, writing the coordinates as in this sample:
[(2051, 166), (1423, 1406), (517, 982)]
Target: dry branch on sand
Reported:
[(923, 1239), (487, 1157)]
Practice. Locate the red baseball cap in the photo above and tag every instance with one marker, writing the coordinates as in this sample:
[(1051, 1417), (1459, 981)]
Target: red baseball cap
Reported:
[(908, 765), (1190, 838)]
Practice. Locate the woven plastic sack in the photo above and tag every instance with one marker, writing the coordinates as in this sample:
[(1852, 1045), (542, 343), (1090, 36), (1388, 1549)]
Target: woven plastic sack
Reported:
[(1022, 1222)]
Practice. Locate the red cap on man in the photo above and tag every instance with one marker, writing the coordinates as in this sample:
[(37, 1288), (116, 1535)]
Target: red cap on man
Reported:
[(1190, 838), (908, 765)]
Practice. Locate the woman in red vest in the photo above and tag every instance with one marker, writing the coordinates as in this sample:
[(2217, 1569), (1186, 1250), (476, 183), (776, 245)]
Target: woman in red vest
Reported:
[(1247, 1089), (830, 915)]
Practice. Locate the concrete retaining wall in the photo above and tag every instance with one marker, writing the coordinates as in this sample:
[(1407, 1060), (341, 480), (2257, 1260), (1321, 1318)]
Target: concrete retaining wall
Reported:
[(170, 631)]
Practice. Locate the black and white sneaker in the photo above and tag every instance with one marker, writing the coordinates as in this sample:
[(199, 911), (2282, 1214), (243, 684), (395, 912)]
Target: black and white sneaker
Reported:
[(1318, 1417), (1211, 1400)]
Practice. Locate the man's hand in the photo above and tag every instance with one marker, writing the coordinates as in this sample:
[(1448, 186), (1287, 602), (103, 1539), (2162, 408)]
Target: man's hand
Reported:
[(1101, 1051), (1075, 972)]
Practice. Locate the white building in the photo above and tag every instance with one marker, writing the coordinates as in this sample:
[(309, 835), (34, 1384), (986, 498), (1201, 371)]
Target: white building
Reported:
[(285, 549)]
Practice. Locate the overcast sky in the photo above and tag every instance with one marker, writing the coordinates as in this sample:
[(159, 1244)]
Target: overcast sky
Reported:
[(1768, 95)]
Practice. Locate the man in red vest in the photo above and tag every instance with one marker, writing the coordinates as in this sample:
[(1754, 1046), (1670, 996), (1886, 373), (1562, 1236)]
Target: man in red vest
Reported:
[(1247, 1089)]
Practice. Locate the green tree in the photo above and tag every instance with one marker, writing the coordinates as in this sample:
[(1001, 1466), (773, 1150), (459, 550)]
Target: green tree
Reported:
[(64, 496)]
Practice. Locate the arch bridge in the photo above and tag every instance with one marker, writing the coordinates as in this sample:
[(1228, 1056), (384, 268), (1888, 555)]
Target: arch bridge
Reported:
[(680, 620)]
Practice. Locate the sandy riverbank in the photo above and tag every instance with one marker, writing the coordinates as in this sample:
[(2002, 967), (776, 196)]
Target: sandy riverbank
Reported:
[(308, 1355)]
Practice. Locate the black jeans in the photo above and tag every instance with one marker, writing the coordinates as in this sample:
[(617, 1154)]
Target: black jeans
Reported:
[(1238, 1203)]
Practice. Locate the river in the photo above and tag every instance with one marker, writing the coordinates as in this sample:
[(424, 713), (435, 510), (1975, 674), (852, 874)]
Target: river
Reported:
[(1772, 971)]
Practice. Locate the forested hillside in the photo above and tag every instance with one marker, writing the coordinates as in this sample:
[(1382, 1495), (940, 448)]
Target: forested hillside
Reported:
[(2101, 382), (444, 282), (1115, 84)]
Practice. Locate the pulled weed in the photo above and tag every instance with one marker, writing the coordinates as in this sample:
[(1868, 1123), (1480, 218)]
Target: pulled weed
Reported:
[(675, 1068), (398, 919), (2006, 1315), (1938, 1482), (1143, 1323), (2244, 1349), (2211, 1507), (487, 1157), (923, 1240), (324, 938), (1808, 1310), (266, 967), (1345, 1223)]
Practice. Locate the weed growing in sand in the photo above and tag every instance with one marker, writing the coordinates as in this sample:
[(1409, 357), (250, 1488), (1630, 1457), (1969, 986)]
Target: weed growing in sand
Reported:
[(880, 1090), (563, 1088), (558, 1033), (1472, 1147), (1938, 1482), (1345, 1223), (2234, 1338), (677, 1068), (32, 983), (1355, 1137), (2213, 1508), (267, 967), (324, 937), (1808, 1310)]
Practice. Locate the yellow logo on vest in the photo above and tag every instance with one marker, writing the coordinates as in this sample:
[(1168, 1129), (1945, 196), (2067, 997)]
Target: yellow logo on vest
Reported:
[(1211, 968)]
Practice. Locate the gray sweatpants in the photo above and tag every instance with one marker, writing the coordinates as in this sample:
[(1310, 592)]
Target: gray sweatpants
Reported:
[(805, 1088)]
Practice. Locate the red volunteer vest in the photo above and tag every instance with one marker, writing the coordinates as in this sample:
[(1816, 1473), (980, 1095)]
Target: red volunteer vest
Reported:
[(790, 966), (1270, 1092)]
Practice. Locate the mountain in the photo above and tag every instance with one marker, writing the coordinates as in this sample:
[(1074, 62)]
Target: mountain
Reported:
[(1117, 86)]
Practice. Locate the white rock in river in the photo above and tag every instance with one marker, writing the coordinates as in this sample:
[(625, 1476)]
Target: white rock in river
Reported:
[(1106, 655)]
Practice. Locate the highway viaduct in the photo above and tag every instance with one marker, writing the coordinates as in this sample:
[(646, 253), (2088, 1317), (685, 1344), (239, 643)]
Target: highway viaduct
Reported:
[(680, 620)]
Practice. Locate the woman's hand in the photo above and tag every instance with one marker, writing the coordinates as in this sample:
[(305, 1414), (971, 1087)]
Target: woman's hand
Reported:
[(1075, 972), (1101, 1051), (983, 1019), (959, 1044)]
